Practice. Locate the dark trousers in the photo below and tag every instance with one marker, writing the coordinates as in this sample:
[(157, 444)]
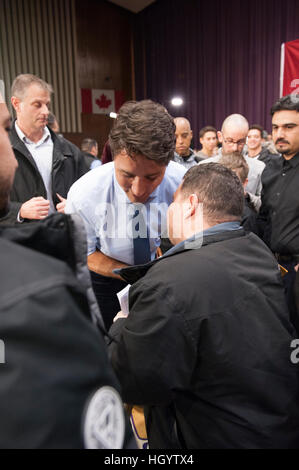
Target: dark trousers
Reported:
[(291, 287), (105, 289)]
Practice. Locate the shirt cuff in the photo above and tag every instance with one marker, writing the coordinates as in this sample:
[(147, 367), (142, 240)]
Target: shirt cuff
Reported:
[(19, 218)]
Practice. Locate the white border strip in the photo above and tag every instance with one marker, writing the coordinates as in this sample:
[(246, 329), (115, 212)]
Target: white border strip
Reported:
[(282, 60), (2, 92)]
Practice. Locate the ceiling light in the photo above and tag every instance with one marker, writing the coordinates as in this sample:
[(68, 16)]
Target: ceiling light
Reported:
[(177, 101)]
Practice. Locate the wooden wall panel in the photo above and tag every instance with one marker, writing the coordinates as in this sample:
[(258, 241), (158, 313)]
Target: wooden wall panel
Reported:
[(39, 37), (103, 59)]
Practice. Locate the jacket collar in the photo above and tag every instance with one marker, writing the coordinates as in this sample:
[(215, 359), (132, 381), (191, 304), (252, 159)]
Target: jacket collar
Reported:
[(61, 148), (18, 144), (134, 273)]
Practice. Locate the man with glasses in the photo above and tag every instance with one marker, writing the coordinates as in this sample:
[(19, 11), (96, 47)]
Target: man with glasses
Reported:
[(233, 138)]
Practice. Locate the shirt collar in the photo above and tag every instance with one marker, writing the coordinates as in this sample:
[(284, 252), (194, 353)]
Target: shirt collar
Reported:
[(293, 162), (22, 136), (224, 227), (188, 158)]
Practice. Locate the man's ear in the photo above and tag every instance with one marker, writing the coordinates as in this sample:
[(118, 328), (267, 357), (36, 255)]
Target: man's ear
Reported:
[(192, 206), (15, 102), (219, 135)]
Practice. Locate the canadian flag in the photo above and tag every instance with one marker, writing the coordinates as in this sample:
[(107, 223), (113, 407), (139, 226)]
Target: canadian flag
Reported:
[(101, 101), (289, 70)]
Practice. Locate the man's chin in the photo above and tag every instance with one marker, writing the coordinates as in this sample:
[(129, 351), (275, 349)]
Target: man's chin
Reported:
[(137, 200), (283, 151)]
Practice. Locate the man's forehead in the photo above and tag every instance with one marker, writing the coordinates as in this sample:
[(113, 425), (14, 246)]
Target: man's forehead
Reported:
[(254, 132), (36, 91), (182, 125), (285, 117), (210, 134), (137, 164), (235, 133)]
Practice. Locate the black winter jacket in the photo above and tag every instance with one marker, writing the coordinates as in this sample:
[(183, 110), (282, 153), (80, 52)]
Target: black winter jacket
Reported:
[(55, 357), (68, 166), (207, 347)]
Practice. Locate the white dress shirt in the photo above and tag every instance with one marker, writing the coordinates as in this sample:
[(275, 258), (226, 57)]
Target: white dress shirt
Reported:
[(42, 154), (107, 211)]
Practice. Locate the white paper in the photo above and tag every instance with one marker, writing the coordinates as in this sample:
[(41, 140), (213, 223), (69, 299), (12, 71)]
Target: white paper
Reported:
[(123, 298)]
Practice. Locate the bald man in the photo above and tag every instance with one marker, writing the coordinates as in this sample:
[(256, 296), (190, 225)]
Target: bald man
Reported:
[(183, 153), (233, 136)]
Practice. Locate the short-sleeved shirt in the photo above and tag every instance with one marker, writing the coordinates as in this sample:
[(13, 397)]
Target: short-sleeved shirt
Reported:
[(107, 212)]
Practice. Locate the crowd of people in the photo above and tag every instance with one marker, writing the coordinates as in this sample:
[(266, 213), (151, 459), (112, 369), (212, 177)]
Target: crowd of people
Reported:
[(166, 278)]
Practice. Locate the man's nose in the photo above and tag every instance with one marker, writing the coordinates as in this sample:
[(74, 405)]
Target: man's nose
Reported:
[(138, 187), (279, 133)]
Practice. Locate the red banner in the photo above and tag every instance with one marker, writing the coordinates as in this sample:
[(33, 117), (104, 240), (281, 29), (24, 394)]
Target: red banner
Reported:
[(289, 80)]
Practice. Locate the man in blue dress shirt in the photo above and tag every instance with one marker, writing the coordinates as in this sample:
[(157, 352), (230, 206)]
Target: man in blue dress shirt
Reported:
[(124, 203)]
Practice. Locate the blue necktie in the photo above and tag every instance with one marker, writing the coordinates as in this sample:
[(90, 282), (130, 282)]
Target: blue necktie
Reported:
[(141, 244)]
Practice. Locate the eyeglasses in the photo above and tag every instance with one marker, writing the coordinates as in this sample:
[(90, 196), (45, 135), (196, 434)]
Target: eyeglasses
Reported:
[(239, 143)]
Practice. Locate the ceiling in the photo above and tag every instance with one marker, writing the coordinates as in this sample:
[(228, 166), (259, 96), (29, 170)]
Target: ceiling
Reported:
[(133, 5)]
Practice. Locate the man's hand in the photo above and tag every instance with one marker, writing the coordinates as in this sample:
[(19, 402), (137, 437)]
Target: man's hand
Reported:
[(61, 206), (36, 208), (119, 315)]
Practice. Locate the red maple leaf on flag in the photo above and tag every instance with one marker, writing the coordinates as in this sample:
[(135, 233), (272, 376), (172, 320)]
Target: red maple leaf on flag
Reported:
[(103, 103)]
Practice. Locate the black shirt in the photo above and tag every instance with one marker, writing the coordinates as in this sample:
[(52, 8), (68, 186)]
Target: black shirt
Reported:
[(279, 214), (249, 218)]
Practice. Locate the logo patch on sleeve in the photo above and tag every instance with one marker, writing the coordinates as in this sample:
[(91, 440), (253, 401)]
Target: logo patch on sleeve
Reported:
[(104, 426)]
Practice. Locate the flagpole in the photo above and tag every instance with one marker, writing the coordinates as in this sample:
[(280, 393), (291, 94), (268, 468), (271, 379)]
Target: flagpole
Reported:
[(282, 60)]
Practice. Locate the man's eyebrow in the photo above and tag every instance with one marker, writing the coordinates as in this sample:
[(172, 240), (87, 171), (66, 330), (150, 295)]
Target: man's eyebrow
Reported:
[(127, 172), (131, 174), (285, 124)]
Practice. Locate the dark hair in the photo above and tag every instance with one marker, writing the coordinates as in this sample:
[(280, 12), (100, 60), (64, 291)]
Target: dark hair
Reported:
[(257, 127), (286, 103), (144, 128), (237, 163), (87, 144), (218, 189), (206, 129)]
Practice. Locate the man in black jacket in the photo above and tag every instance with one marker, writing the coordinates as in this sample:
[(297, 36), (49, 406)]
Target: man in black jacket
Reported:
[(53, 357), (47, 165), (207, 344), (90, 150), (278, 218)]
